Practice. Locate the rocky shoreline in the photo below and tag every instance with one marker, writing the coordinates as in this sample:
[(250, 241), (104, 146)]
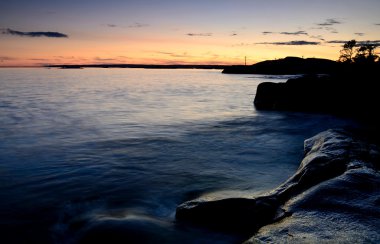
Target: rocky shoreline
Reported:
[(333, 196)]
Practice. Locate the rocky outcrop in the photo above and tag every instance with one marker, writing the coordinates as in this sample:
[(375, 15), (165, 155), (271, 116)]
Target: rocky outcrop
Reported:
[(333, 196), (350, 94), (307, 93)]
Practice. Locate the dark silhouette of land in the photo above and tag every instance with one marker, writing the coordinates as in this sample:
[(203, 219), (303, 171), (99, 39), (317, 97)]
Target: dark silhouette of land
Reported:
[(143, 66), (346, 87), (349, 90), (355, 56), (286, 66)]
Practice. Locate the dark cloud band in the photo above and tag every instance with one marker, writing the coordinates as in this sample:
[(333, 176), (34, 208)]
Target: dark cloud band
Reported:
[(199, 34), (291, 43), (329, 22), (35, 34), (296, 33), (293, 33), (358, 43), (138, 25)]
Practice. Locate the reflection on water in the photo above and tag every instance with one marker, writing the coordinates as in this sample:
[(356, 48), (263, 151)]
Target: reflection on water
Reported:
[(89, 154)]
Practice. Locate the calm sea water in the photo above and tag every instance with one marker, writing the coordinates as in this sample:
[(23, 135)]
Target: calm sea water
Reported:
[(110, 153)]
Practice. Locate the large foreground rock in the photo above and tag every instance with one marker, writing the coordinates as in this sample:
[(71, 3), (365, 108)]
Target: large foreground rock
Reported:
[(333, 196)]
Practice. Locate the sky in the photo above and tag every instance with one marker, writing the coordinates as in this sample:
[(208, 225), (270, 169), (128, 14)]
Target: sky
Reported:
[(41, 32)]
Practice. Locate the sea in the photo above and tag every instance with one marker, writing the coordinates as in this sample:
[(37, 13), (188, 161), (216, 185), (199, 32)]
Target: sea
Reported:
[(107, 155)]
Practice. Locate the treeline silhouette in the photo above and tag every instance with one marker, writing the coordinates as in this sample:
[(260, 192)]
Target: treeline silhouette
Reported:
[(364, 53)]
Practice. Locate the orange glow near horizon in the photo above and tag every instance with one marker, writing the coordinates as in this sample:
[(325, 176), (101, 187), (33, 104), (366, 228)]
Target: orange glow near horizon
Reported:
[(163, 51), (176, 32)]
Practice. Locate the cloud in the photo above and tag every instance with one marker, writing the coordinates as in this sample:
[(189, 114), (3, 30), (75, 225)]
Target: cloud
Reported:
[(176, 55), (123, 57), (329, 22), (242, 44), (290, 43), (64, 57), (318, 37), (359, 34), (199, 34), (105, 59), (39, 59), (6, 58), (294, 33), (326, 28), (111, 25), (297, 33), (138, 25), (331, 30), (336, 42), (186, 55), (377, 24), (35, 33), (373, 42)]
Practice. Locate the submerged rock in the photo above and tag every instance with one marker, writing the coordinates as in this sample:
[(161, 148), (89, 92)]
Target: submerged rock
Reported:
[(333, 196)]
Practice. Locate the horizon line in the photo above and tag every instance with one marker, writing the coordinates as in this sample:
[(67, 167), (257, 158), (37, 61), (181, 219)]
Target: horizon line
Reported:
[(142, 64), (112, 64)]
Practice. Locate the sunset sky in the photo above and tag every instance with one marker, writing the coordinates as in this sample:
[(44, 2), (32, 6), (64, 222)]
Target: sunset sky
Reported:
[(43, 32)]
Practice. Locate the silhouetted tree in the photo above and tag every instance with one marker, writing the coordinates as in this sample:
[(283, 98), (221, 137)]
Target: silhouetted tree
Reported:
[(347, 53), (366, 53)]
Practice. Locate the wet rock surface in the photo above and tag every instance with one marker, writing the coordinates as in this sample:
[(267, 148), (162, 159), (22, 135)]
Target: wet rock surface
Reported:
[(333, 196)]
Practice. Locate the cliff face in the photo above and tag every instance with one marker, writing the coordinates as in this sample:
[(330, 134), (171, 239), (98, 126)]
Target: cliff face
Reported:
[(333, 196)]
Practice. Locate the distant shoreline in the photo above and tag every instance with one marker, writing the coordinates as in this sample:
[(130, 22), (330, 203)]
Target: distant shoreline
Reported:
[(133, 66), (144, 66)]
